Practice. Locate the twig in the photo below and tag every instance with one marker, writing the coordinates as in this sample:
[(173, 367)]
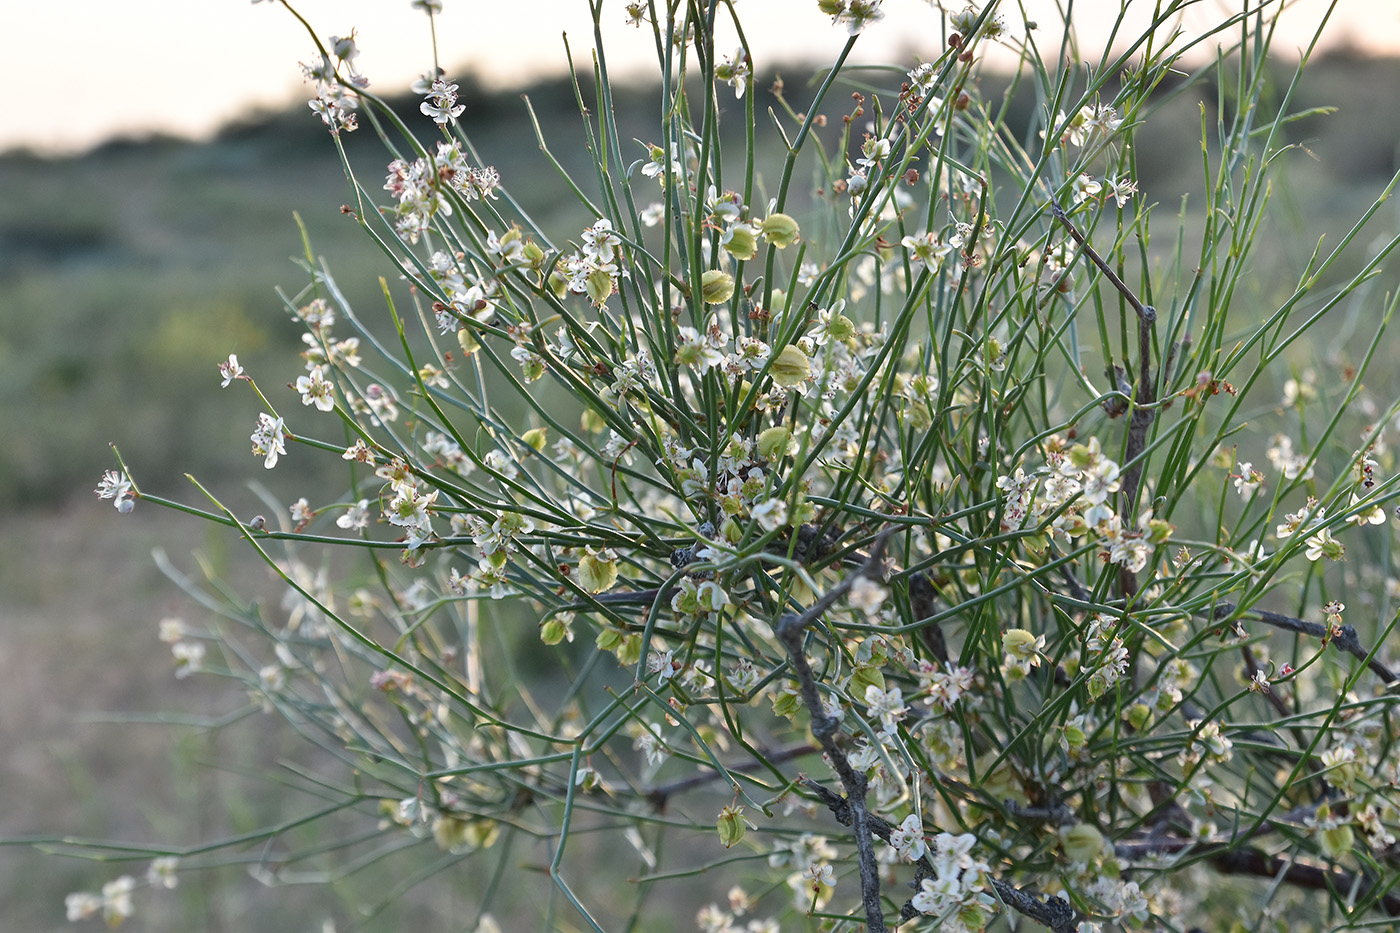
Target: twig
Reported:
[(1254, 862), (659, 796), (1140, 422), (1343, 638), (791, 630)]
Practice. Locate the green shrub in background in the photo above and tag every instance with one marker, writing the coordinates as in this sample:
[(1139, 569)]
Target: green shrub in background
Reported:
[(885, 549)]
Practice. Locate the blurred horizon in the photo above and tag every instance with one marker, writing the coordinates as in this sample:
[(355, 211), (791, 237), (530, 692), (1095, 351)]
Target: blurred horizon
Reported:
[(165, 75)]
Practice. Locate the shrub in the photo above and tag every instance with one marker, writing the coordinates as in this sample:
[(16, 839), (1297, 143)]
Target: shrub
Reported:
[(888, 549)]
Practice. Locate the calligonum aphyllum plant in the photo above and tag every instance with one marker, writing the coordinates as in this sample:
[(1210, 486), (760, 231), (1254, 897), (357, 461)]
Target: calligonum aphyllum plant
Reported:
[(856, 518)]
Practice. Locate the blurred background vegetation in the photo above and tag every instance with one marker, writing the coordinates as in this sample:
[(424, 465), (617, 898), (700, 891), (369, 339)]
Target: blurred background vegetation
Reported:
[(128, 273)]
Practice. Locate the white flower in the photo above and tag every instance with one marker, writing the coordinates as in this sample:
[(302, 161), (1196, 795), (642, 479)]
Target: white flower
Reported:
[(230, 371), (357, 516), (886, 705), (442, 104), (161, 874), (267, 439), (771, 515), (114, 485), (189, 658), (908, 838), (315, 390), (866, 595), (116, 899)]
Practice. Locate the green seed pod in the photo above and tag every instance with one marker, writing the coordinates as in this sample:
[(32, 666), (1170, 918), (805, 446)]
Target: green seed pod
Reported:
[(731, 825), (775, 443), (791, 367), (716, 287), (1083, 843), (742, 242), (595, 574), (780, 230)]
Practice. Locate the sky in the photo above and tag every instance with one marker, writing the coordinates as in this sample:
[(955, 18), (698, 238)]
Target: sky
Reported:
[(81, 71)]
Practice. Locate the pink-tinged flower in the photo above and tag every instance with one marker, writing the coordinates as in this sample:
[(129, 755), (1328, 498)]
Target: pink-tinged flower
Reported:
[(359, 452)]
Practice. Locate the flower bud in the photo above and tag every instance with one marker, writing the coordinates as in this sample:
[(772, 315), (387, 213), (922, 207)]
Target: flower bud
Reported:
[(716, 287), (780, 230), (790, 367)]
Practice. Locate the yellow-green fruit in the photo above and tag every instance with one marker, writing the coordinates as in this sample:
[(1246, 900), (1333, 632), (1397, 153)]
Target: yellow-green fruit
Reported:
[(450, 833), (596, 574), (553, 632), (592, 421), (467, 342), (535, 437), (841, 327), (742, 243), (716, 287), (780, 230), (558, 285), (1337, 841), (790, 367), (1083, 843), (865, 677), (775, 443), (731, 825), (786, 704), (630, 651), (1018, 643), (599, 285)]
